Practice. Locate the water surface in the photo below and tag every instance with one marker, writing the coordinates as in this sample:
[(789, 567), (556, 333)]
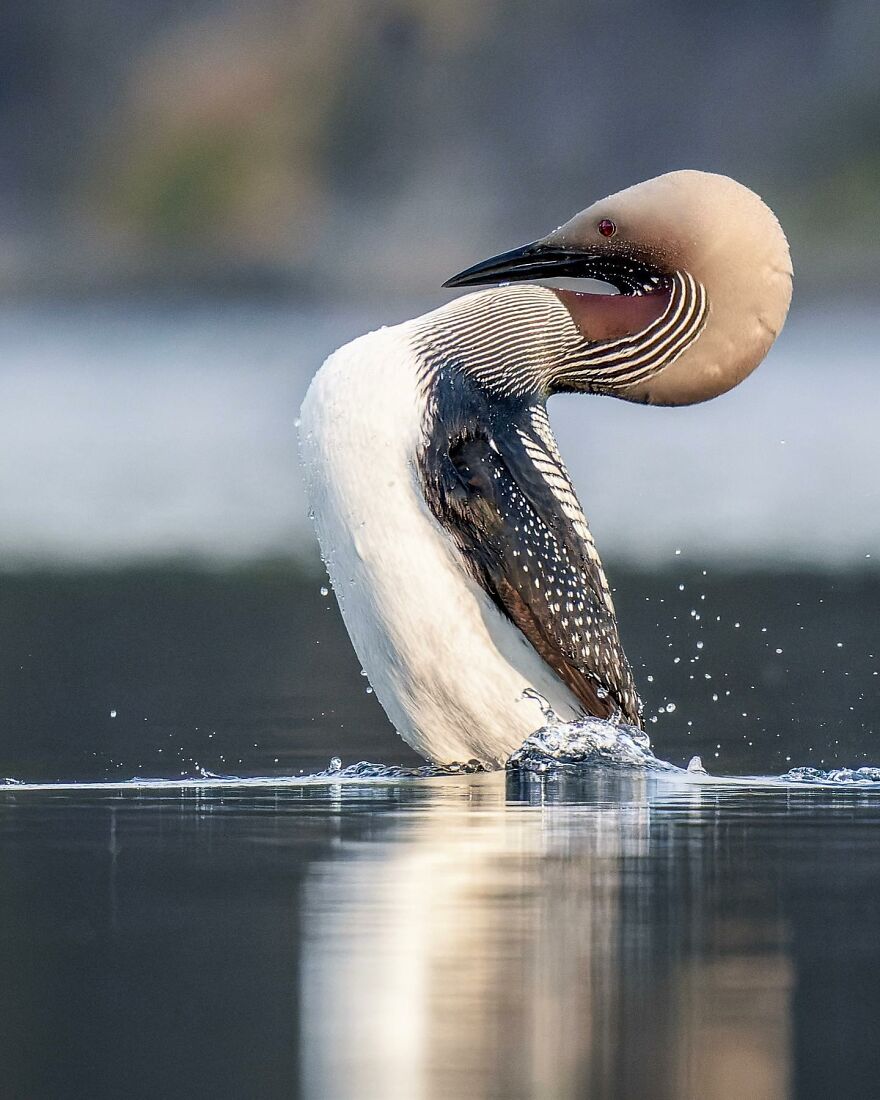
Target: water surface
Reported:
[(613, 934), (159, 672), (607, 933)]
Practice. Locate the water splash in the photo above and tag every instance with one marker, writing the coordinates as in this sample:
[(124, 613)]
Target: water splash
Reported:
[(365, 770), (205, 780), (588, 742), (596, 743), (858, 776)]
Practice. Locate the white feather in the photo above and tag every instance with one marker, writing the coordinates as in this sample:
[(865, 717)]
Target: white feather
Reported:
[(446, 665)]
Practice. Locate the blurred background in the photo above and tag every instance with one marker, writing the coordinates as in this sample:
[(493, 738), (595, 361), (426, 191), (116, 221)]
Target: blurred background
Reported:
[(199, 201)]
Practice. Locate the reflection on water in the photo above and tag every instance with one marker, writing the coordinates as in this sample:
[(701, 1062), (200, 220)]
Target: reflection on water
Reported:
[(610, 934), (546, 948)]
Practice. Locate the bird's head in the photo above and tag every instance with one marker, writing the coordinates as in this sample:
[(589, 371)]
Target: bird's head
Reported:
[(702, 272)]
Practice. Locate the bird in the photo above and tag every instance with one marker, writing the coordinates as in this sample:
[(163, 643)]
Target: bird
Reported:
[(458, 551)]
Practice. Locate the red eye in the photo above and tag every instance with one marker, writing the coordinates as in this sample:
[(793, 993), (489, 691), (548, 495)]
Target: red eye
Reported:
[(607, 227)]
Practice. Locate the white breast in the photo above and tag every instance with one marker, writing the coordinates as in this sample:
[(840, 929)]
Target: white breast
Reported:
[(447, 666)]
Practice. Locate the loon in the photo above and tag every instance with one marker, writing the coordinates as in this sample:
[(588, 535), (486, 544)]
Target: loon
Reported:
[(460, 556)]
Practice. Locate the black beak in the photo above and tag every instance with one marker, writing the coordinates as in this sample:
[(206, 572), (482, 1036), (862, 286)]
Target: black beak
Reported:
[(533, 261)]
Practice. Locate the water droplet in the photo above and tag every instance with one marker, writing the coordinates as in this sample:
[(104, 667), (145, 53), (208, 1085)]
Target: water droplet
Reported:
[(670, 707), (112, 713), (325, 591), (699, 645)]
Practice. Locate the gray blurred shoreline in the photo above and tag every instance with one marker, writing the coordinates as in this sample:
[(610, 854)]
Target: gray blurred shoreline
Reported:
[(145, 432)]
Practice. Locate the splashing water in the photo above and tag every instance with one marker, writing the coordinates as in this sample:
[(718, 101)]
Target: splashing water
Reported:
[(365, 770), (205, 780), (595, 742), (558, 746), (859, 776), (588, 742)]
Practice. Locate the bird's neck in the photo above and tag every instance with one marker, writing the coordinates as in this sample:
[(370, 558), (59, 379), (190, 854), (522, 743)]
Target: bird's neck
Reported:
[(528, 341), (508, 340)]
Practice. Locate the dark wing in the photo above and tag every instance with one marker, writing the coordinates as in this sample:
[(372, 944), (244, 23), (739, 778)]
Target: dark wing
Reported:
[(522, 533)]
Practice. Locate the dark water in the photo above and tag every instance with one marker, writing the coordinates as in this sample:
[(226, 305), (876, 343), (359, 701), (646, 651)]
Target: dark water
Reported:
[(607, 935), (251, 672)]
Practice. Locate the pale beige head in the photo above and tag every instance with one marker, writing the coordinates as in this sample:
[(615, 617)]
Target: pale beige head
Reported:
[(703, 237)]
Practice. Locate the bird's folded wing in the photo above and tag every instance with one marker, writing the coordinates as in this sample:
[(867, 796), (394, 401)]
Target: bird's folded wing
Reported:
[(513, 524)]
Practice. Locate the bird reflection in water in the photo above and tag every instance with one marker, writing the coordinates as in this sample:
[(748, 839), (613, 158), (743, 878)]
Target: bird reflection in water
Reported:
[(577, 937)]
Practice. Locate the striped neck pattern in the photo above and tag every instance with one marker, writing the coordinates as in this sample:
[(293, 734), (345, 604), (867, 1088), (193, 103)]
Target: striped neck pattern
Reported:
[(518, 341)]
